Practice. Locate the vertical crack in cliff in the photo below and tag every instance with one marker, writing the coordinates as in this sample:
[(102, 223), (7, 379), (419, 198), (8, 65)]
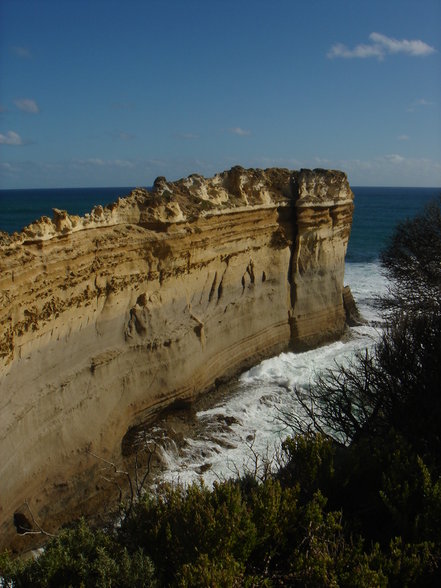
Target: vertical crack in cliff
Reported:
[(213, 288), (220, 288), (294, 250)]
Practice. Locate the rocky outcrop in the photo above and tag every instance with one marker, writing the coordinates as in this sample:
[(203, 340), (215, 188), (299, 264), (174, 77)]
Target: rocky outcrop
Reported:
[(108, 318)]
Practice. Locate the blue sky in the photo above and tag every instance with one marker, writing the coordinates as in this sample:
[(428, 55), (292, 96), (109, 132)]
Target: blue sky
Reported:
[(115, 93)]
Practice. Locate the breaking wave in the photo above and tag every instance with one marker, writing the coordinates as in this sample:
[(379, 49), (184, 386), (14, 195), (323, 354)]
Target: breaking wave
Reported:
[(246, 420)]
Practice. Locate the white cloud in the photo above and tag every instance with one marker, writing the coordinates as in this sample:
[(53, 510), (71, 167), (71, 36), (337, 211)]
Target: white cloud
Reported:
[(239, 131), (22, 52), (423, 102), (362, 51), (97, 162), (121, 135), (289, 162), (393, 170), (383, 170), (393, 158), (27, 105), (186, 136), (11, 138), (122, 163), (126, 136), (403, 138), (416, 47), (380, 46)]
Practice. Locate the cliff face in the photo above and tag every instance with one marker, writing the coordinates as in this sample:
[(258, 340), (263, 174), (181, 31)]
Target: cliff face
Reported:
[(108, 318)]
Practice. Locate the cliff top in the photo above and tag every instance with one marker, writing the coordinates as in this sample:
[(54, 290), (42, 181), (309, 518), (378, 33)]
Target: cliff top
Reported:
[(196, 196)]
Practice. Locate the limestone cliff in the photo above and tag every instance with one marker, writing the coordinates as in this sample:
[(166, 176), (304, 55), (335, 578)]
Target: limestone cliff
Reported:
[(108, 318)]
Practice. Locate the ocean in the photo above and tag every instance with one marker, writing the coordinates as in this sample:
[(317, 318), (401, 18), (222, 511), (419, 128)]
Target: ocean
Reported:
[(228, 433), (19, 208)]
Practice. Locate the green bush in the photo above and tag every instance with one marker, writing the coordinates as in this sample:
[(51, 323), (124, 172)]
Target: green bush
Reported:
[(179, 525), (81, 557)]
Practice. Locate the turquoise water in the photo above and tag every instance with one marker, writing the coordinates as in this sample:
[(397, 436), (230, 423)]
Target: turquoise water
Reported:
[(377, 210)]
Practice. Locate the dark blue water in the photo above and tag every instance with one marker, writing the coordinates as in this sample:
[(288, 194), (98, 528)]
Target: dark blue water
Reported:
[(19, 208), (377, 211)]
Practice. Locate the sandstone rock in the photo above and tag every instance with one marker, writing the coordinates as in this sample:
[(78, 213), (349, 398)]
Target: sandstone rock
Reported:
[(108, 318), (353, 316)]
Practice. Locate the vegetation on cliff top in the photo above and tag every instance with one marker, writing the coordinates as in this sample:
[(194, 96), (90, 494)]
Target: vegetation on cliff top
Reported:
[(354, 503)]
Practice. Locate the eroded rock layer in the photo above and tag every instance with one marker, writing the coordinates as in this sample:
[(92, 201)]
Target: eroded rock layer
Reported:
[(108, 318)]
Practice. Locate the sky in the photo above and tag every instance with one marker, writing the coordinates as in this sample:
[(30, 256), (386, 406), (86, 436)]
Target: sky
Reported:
[(117, 92)]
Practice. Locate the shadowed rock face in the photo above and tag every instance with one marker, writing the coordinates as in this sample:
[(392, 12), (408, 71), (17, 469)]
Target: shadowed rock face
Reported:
[(108, 318)]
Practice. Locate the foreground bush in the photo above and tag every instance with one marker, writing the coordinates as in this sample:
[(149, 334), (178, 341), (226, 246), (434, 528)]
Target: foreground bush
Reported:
[(82, 557), (240, 533)]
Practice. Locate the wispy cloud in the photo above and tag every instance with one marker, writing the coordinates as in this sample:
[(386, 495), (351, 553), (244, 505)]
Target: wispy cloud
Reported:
[(27, 105), (380, 46), (4, 165), (423, 102), (121, 135), (393, 158), (11, 138), (420, 103), (123, 106), (403, 137), (186, 136), (393, 170), (20, 51), (239, 131), (98, 162), (362, 51), (289, 162), (124, 136)]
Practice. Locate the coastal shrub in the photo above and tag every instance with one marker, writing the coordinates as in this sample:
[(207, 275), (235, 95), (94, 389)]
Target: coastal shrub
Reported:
[(412, 261), (179, 525), (271, 533), (396, 386), (308, 461), (82, 557), (249, 535), (220, 572)]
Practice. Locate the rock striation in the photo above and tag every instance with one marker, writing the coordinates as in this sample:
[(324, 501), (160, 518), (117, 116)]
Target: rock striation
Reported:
[(107, 319)]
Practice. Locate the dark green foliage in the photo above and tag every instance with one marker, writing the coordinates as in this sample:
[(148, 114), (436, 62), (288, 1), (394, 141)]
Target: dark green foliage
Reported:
[(309, 462), (179, 524), (260, 536), (397, 385), (412, 262), (82, 557), (267, 534)]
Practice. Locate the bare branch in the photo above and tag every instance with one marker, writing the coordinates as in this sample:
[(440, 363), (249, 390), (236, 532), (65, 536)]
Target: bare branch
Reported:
[(40, 531)]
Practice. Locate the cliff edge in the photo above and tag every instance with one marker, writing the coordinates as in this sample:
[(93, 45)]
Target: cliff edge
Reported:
[(108, 318)]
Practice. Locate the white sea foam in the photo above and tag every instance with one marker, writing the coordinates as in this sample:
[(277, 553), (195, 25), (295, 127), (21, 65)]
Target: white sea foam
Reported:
[(367, 282), (249, 421)]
